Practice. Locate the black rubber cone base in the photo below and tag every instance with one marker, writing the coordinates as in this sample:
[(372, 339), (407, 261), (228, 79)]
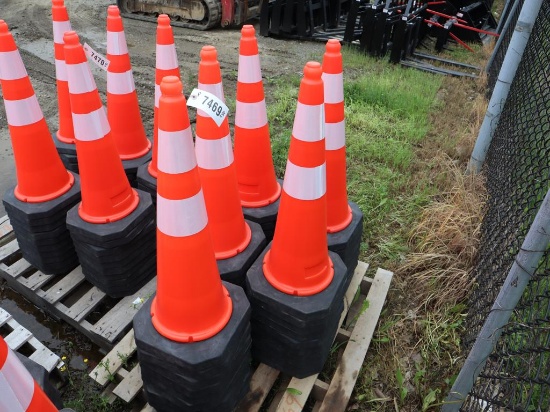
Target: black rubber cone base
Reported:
[(41, 230), (118, 257), (265, 216), (347, 242), (67, 153), (234, 269), (146, 182), (209, 375), (291, 333), (42, 377), (131, 167)]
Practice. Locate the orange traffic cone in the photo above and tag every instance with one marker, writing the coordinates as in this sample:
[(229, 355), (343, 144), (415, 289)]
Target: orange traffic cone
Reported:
[(256, 178), (18, 390), (106, 192), (338, 211), (230, 232), (298, 262), (191, 303), (41, 175), (122, 101), (61, 24), (166, 65)]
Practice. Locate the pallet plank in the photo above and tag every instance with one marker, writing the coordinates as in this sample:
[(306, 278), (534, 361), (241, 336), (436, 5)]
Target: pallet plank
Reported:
[(18, 337), (43, 356), (125, 348), (63, 287), (295, 399), (262, 380), (130, 386), (8, 249), (4, 317), (343, 382), (35, 281), (86, 304), (118, 319), (16, 269)]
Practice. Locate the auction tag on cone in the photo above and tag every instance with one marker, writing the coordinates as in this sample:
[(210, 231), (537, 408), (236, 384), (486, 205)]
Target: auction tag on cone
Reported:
[(96, 57), (209, 104)]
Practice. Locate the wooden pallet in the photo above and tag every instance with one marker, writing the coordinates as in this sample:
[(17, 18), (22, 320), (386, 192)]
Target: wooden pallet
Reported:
[(19, 339), (357, 325), (70, 297)]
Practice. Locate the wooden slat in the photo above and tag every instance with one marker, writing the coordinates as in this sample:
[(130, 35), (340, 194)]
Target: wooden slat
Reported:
[(63, 287), (4, 317), (319, 390), (8, 249), (260, 385), (148, 408), (130, 386), (16, 269), (5, 226), (295, 399), (86, 304), (125, 348), (35, 281), (18, 337), (43, 356), (119, 318), (343, 382)]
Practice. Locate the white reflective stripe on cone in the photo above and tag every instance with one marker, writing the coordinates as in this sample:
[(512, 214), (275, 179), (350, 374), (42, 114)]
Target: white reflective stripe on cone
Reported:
[(176, 153), (181, 218), (11, 66), (214, 154), (249, 69), (215, 89), (59, 29), (309, 122), (61, 70), (335, 135), (91, 126), (116, 43), (166, 57), (23, 112), (305, 183), (334, 87), (80, 78), (157, 95), (120, 83), (16, 385), (250, 115)]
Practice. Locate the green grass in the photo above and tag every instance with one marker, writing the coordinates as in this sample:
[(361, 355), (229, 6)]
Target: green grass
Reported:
[(387, 111)]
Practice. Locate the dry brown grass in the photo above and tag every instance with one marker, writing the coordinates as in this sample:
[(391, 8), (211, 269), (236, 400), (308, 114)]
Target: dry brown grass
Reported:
[(445, 241)]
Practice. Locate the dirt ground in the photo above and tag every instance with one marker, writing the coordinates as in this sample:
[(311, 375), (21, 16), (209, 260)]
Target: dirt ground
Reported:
[(30, 23)]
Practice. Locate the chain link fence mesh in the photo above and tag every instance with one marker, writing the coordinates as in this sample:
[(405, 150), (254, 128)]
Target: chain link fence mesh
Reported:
[(516, 376), (493, 68)]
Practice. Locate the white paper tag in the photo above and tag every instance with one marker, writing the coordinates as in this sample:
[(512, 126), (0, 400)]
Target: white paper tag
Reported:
[(96, 57), (208, 103)]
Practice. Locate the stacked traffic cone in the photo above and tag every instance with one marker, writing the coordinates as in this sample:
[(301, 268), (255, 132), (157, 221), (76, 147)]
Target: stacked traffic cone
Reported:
[(127, 128), (344, 219), (64, 138), (166, 65), (193, 337), (113, 227), (259, 190), (296, 287), (237, 243), (19, 390), (37, 206)]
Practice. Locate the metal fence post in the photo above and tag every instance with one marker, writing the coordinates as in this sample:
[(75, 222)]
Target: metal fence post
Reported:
[(522, 31), (503, 30), (527, 260)]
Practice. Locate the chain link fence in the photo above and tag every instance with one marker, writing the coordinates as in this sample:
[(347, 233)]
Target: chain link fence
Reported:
[(516, 376), (510, 16)]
